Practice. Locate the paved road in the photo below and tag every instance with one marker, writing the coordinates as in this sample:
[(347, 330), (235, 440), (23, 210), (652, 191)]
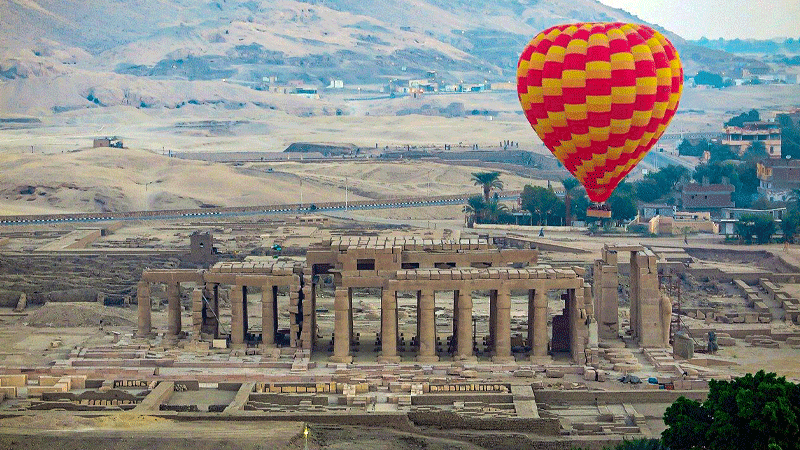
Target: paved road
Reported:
[(319, 208)]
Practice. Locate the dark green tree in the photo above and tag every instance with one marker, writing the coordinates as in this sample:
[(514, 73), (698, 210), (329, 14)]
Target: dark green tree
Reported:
[(685, 148), (758, 226), (687, 422), (475, 208), (487, 181), (570, 184), (758, 412), (790, 137), (648, 191), (741, 119), (622, 207), (756, 151), (719, 152), (790, 225), (495, 210), (540, 201), (708, 79)]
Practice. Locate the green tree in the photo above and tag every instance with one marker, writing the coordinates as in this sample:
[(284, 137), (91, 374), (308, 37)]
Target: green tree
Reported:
[(570, 187), (794, 199), (639, 444), (758, 412), (756, 151), (579, 204), (570, 184), (746, 184), (760, 226), (720, 152), (622, 207), (494, 210), (708, 78), (475, 208), (685, 148), (661, 183), (790, 225), (541, 202), (790, 137), (487, 181), (648, 191), (741, 119)]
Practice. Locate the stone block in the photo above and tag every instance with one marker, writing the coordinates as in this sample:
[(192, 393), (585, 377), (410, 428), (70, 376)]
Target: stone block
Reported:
[(8, 391), (219, 343), (554, 373), (47, 380), (16, 380)]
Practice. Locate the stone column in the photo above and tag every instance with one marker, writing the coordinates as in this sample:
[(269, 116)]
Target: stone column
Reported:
[(454, 341), (351, 333), (215, 308), (197, 313), (633, 294), (540, 339), (143, 298), (173, 309), (529, 340), (389, 326), (427, 327), (245, 312), (502, 332), (237, 316), (647, 300), (464, 314), (606, 295), (267, 317), (492, 319), (341, 331)]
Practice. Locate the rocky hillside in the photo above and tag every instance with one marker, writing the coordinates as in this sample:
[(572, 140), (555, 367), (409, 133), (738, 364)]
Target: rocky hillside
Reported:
[(59, 55)]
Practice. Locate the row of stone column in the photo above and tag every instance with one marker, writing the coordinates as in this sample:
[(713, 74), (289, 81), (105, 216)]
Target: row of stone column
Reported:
[(500, 325), (239, 322), (173, 309)]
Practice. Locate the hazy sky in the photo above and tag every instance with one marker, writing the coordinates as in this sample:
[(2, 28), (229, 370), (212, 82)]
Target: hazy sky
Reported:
[(729, 19)]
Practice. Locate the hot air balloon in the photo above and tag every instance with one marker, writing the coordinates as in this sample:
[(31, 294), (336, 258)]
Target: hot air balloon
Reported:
[(599, 95)]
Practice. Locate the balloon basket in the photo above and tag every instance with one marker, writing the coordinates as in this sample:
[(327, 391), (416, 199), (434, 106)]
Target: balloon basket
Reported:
[(599, 213)]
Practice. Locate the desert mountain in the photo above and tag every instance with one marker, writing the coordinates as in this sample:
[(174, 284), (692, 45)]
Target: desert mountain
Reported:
[(60, 55)]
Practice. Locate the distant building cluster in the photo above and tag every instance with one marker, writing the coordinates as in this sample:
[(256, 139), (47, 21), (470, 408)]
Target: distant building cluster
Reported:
[(112, 142), (740, 138)]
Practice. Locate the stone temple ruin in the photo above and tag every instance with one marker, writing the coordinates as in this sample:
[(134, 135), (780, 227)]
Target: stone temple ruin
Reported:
[(485, 338), (472, 270)]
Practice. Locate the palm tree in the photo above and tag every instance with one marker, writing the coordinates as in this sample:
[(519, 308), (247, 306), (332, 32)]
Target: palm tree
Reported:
[(488, 181), (475, 207), (494, 209), (569, 184)]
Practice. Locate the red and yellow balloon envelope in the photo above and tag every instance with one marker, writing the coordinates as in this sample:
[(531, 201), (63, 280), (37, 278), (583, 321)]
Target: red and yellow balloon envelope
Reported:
[(599, 95)]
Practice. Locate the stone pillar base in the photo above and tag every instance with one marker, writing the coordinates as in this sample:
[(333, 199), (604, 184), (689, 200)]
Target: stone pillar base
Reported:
[(389, 359), (341, 359), (542, 359), (238, 346), (427, 359), (503, 359)]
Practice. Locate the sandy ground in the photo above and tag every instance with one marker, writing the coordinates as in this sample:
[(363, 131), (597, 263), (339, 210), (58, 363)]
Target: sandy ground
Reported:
[(104, 179), (124, 431)]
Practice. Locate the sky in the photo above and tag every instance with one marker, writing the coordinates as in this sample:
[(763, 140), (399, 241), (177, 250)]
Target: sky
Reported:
[(728, 19)]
